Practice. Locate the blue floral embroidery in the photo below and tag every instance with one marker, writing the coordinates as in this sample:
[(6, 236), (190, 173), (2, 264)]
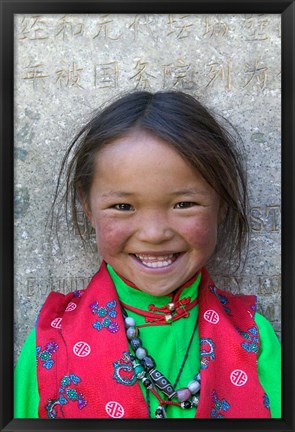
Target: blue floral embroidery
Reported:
[(266, 401), (220, 406), (46, 354), (66, 394), (252, 340), (223, 300), (106, 315), (207, 355)]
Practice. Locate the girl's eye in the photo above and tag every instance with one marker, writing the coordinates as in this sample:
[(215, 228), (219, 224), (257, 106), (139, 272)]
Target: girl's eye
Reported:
[(184, 204), (123, 207)]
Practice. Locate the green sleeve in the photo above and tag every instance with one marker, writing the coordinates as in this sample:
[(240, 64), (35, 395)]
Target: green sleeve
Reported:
[(269, 364), (26, 396)]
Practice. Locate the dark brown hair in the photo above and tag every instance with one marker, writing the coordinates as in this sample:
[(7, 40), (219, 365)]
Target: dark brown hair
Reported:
[(185, 124)]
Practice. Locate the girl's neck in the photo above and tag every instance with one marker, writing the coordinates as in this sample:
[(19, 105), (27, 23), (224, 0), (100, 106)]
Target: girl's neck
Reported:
[(177, 290)]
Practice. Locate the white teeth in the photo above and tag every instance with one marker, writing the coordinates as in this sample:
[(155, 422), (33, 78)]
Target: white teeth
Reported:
[(156, 261), (157, 264), (154, 258)]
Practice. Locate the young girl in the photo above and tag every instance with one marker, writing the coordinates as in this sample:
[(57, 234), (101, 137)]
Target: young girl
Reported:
[(152, 336)]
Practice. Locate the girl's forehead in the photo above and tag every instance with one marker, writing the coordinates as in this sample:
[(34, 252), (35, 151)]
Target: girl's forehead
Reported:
[(142, 146), (143, 163), (139, 150), (136, 138)]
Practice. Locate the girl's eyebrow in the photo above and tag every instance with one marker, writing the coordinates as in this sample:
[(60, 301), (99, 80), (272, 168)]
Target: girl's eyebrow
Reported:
[(122, 194), (188, 192), (116, 194)]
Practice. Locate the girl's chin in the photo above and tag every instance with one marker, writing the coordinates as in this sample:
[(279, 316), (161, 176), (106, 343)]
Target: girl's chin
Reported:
[(156, 290)]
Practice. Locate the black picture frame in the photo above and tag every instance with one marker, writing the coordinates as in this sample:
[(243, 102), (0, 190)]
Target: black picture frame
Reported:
[(11, 7)]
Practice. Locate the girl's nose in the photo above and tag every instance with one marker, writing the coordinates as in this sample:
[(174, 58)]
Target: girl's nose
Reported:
[(154, 228)]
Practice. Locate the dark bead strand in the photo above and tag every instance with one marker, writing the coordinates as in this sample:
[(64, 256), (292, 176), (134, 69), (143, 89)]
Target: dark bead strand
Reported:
[(186, 404), (136, 343), (156, 377), (147, 383), (160, 412), (148, 363), (162, 383)]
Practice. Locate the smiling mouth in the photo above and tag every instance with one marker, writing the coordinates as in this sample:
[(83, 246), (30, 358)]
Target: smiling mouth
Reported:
[(160, 261)]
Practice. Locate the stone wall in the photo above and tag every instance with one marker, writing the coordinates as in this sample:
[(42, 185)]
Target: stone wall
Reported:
[(67, 66)]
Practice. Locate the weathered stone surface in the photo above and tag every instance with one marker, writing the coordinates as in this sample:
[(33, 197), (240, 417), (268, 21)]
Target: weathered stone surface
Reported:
[(67, 66)]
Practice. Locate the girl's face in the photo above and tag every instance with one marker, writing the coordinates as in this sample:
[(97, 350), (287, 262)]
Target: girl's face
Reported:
[(155, 217)]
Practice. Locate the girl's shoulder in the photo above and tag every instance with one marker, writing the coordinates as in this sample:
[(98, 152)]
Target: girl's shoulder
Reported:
[(266, 329)]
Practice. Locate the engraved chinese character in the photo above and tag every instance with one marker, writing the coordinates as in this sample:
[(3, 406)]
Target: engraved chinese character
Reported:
[(106, 75), (180, 25), (220, 71), (255, 28), (103, 28), (257, 74), (35, 74), (216, 29), (68, 28), (178, 75), (142, 76), (69, 76), (141, 24), (33, 28)]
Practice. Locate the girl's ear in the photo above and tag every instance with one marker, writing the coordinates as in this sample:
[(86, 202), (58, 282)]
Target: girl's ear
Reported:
[(87, 211), (85, 204)]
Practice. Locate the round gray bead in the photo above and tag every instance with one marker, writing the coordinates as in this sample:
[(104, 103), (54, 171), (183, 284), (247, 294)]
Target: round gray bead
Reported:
[(194, 387), (140, 353)]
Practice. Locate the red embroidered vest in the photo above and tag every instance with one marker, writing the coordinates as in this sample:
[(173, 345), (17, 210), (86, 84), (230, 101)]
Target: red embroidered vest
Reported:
[(81, 335)]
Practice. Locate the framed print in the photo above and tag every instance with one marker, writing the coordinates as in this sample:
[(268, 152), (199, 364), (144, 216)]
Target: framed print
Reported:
[(62, 64)]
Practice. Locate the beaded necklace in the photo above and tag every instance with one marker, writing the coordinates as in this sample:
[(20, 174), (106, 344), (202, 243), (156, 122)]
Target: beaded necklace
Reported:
[(153, 380)]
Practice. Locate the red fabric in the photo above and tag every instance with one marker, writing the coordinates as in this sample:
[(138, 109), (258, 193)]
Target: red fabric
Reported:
[(82, 371), (229, 376)]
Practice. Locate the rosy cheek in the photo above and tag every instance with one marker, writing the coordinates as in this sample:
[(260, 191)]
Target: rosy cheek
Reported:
[(201, 232), (110, 235)]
